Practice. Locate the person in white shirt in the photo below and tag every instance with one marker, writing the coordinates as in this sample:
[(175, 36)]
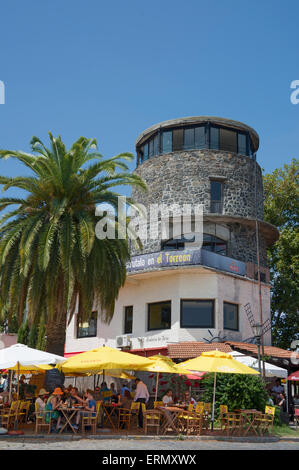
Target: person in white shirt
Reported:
[(141, 396), (41, 399), (167, 399)]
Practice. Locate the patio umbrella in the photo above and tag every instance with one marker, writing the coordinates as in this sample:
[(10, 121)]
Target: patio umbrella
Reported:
[(163, 364), (270, 369), (217, 361), (294, 376), (103, 358)]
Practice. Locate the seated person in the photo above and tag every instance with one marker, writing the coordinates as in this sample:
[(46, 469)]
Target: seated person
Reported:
[(189, 399), (41, 399), (167, 399), (89, 405), (277, 390), (125, 401), (104, 389), (53, 403), (114, 397), (124, 388)]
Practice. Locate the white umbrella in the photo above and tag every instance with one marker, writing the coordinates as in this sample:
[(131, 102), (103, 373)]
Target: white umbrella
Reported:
[(270, 369), (21, 355)]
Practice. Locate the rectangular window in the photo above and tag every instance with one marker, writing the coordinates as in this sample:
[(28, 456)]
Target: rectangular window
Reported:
[(167, 142), (159, 315), (145, 152), (151, 148), (200, 137), (88, 328), (228, 140), (230, 316), (242, 144), (189, 139), (197, 313), (216, 196), (128, 323), (156, 145), (177, 139), (214, 138)]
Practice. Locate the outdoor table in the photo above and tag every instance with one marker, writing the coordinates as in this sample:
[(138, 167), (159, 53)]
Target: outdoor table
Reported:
[(110, 410), (247, 421), (69, 414), (170, 416)]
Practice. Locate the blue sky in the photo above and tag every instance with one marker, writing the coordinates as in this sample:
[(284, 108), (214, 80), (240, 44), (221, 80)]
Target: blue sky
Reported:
[(111, 69)]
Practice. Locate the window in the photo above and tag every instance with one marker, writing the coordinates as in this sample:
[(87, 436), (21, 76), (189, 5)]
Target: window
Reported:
[(216, 196), (173, 244), (177, 139), (228, 140), (189, 139), (214, 138), (151, 148), (197, 313), (145, 152), (200, 137), (88, 328), (167, 142), (242, 144), (230, 316), (159, 315), (215, 244), (128, 323)]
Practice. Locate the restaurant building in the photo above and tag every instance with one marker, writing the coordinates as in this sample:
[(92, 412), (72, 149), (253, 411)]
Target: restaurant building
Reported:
[(193, 288)]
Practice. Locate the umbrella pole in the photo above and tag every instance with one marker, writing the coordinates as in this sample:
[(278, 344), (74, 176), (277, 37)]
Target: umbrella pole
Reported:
[(157, 384), (18, 391), (214, 396)]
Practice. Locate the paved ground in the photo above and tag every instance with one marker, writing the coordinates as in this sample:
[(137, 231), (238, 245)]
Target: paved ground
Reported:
[(148, 444)]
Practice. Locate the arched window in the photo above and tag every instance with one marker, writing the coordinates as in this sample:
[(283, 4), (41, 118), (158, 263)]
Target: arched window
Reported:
[(210, 243)]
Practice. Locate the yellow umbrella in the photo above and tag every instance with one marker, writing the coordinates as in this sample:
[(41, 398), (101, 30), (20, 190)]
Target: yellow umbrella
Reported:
[(217, 361), (121, 374), (31, 369), (104, 358), (163, 364)]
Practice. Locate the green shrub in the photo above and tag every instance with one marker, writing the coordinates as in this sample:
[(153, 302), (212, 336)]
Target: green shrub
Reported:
[(237, 391)]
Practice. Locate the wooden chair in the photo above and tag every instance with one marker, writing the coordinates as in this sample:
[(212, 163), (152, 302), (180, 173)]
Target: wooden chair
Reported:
[(265, 421), (23, 410), (90, 419), (190, 422), (158, 403), (124, 418), (199, 408), (207, 407), (296, 416), (152, 419), (42, 419), (135, 406), (9, 416), (223, 410), (232, 423)]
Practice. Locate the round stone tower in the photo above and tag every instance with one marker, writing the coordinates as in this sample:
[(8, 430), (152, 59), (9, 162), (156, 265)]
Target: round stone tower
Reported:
[(210, 161)]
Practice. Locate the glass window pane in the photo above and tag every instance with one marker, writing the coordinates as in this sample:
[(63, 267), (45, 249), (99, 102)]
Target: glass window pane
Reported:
[(145, 152), (88, 328), (230, 316), (156, 145), (151, 148), (167, 142), (200, 137), (128, 320), (214, 138), (242, 147), (159, 316), (216, 190), (177, 139), (197, 313), (188, 139), (228, 140)]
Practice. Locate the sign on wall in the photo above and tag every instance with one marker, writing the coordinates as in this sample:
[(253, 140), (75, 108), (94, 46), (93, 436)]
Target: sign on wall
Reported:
[(183, 258)]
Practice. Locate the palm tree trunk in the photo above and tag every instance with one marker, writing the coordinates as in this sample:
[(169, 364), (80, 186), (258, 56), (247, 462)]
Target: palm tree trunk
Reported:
[(55, 334)]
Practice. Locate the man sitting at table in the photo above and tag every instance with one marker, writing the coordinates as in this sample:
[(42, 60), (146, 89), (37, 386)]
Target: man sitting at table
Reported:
[(167, 399), (89, 405), (189, 399)]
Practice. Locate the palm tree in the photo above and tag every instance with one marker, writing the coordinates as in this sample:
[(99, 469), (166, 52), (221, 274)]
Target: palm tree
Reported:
[(51, 262)]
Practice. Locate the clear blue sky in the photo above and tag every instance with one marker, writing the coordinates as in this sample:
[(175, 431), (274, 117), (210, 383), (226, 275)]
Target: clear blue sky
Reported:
[(111, 69)]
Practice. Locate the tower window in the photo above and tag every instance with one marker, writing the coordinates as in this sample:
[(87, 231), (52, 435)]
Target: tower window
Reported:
[(215, 244), (228, 140), (216, 196), (167, 142), (242, 144), (214, 138)]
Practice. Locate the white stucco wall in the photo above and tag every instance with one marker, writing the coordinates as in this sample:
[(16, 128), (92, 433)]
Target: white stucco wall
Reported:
[(174, 284)]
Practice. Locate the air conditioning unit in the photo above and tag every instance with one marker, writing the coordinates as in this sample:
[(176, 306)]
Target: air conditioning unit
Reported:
[(123, 341)]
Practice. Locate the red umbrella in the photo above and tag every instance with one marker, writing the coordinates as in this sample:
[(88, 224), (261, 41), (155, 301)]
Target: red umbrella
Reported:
[(294, 376)]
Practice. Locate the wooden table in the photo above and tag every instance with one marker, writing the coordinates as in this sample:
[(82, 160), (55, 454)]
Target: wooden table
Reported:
[(69, 414), (247, 421), (170, 416), (110, 411)]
